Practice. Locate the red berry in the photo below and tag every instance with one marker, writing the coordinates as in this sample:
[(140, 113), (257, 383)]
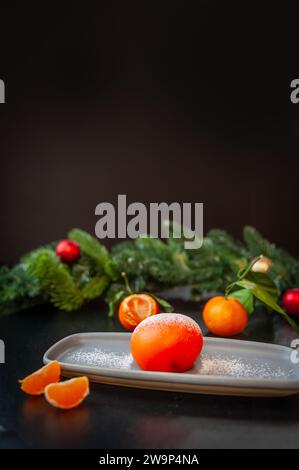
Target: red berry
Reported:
[(68, 251), (290, 301)]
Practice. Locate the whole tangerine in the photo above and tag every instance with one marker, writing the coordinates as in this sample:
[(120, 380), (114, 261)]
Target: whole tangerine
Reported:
[(168, 342), (135, 308), (225, 317)]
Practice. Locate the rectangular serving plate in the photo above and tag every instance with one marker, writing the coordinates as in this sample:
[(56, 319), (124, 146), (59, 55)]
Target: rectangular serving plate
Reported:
[(225, 366)]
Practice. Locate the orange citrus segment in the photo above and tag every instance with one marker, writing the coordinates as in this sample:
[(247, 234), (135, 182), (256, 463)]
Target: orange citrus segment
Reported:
[(67, 394), (135, 308), (34, 384)]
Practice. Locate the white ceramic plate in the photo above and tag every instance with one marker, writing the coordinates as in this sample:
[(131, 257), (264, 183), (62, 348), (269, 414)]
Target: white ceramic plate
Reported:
[(225, 367)]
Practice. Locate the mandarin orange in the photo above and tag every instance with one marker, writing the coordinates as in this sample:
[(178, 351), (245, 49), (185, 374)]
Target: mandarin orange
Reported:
[(225, 317), (135, 308)]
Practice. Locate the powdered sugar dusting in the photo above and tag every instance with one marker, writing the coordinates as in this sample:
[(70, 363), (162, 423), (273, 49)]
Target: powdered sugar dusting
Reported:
[(234, 366), (208, 364), (164, 319), (94, 356)]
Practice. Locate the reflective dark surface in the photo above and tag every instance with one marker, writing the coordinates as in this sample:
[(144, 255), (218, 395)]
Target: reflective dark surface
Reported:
[(114, 417)]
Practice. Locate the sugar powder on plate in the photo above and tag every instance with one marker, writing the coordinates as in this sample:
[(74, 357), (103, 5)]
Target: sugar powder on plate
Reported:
[(94, 356), (218, 364)]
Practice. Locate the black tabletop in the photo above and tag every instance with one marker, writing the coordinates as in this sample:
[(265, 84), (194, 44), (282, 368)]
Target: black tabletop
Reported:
[(119, 417)]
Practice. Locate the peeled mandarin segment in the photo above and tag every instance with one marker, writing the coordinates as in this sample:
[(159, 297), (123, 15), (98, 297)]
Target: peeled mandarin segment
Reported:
[(34, 384), (135, 308), (67, 394), (141, 306)]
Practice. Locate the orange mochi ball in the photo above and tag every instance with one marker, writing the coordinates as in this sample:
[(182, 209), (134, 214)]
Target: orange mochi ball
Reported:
[(167, 342)]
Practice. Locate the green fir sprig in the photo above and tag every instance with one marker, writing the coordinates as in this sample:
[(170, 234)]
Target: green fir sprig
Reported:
[(151, 265)]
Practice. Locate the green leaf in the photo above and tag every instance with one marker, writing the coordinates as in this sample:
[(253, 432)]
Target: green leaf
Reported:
[(244, 296), (167, 307), (115, 301), (264, 289), (261, 285), (261, 293), (242, 273), (264, 281)]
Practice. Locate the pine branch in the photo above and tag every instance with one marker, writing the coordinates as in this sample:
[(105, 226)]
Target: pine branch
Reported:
[(230, 251), (150, 264), (95, 287), (152, 259), (94, 249), (256, 244), (55, 279), (18, 289)]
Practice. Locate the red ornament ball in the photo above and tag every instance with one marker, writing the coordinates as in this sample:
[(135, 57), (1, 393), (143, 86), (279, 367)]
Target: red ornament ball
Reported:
[(68, 251), (290, 301)]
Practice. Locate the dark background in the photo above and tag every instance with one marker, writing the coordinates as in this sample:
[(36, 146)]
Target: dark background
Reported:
[(162, 101)]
